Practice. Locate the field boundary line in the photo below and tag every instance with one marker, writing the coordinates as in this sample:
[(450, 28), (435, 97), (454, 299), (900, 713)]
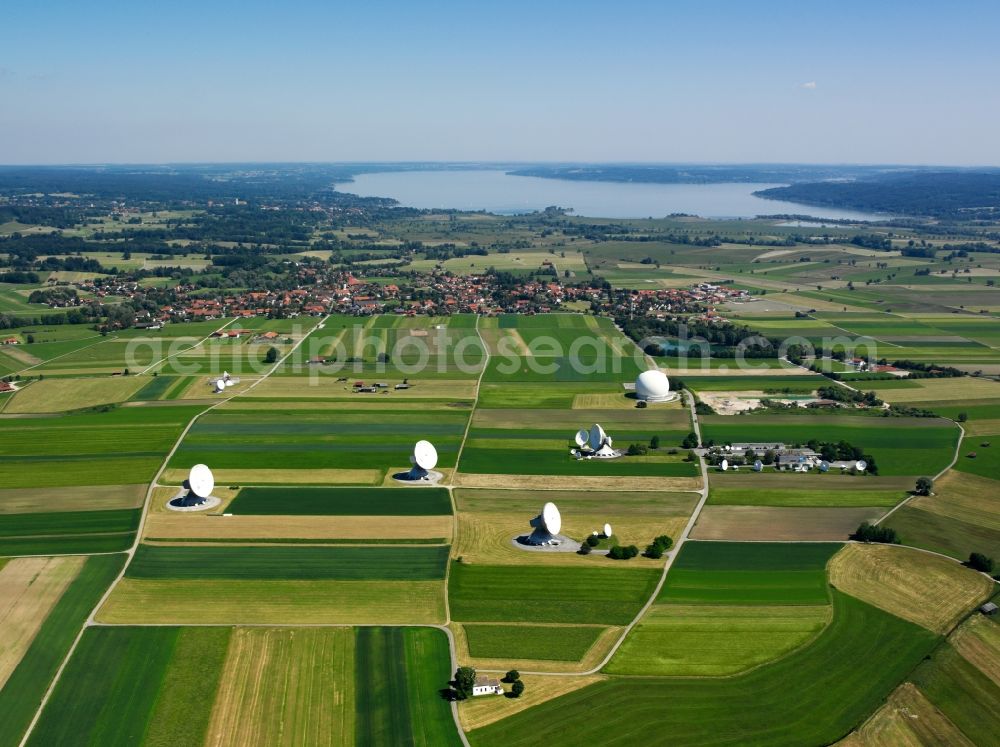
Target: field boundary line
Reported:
[(130, 553), (108, 338), (938, 476)]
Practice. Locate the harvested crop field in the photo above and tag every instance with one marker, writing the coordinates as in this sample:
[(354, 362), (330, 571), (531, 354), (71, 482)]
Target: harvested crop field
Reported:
[(283, 686), (29, 589), (767, 523), (907, 719), (201, 526), (926, 589), (58, 395), (274, 602), (978, 641)]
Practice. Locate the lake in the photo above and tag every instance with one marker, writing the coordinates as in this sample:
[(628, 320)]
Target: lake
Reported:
[(497, 192)]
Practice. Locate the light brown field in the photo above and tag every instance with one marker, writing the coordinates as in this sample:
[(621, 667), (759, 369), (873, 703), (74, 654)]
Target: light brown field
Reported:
[(978, 641), (29, 589), (486, 537), (574, 482), (21, 355), (920, 587), (907, 719), (284, 476), (285, 687), (982, 427), (205, 526), (591, 659), (89, 498), (477, 712), (274, 602), (965, 497), (57, 395), (776, 523), (605, 401), (943, 389)]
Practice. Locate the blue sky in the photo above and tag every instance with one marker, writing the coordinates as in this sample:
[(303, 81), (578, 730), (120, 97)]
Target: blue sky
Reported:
[(881, 81)]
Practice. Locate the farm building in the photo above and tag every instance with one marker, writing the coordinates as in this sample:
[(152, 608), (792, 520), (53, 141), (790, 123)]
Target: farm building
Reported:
[(487, 686), (11, 341), (989, 608)]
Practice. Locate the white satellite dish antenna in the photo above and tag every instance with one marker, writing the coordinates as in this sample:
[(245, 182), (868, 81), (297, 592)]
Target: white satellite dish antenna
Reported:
[(758, 466), (581, 437), (551, 518), (225, 375), (607, 530), (861, 465), (729, 448), (230, 382), (597, 437), (824, 466), (725, 465), (220, 385), (425, 455), (201, 481)]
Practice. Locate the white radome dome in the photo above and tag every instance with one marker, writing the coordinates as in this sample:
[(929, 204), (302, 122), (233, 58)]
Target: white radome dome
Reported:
[(652, 386)]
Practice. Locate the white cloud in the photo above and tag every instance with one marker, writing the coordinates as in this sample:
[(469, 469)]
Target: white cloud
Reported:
[(811, 84)]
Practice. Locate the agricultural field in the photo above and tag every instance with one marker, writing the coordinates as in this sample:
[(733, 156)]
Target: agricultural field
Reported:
[(237, 686), (962, 516), (60, 395), (123, 445), (926, 589)]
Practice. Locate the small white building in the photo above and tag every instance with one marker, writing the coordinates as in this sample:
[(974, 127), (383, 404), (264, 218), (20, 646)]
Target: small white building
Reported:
[(486, 686)]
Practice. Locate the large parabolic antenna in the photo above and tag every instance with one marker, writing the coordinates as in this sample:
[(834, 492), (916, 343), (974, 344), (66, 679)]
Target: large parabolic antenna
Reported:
[(861, 465), (581, 437), (424, 458), (198, 486), (547, 526), (607, 530), (425, 455), (220, 384), (758, 466), (725, 465)]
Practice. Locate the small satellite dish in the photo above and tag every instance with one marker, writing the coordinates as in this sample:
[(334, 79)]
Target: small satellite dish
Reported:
[(824, 466), (230, 382), (220, 384), (758, 466), (425, 455), (201, 481), (551, 518), (861, 465), (607, 530), (225, 375), (729, 448), (725, 465), (581, 437)]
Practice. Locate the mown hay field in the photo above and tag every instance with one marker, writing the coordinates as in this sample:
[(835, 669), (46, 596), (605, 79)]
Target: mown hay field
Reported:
[(926, 589), (278, 602)]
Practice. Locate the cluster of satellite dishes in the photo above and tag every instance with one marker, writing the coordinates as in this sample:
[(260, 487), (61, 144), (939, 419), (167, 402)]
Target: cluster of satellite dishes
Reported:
[(197, 490), (594, 444), (423, 460), (545, 527), (224, 382), (758, 466)]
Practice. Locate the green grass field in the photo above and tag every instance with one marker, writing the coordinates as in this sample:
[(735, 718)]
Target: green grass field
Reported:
[(289, 563), (549, 642), (782, 703), (611, 596), (398, 675), (700, 640), (119, 679), (963, 693), (791, 496), (84, 449), (342, 502), (27, 684)]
